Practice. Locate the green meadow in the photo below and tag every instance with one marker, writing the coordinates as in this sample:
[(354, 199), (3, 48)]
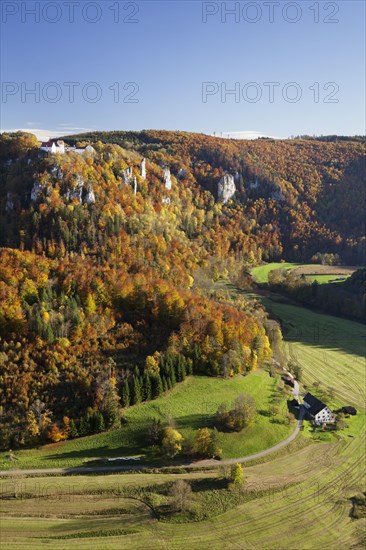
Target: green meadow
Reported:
[(260, 273), (189, 406)]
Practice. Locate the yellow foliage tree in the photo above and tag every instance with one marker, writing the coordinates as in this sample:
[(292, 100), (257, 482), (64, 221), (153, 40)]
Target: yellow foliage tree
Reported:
[(152, 364), (172, 442)]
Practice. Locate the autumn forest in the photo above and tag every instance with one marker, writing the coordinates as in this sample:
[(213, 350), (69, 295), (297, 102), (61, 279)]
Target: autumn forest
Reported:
[(106, 275)]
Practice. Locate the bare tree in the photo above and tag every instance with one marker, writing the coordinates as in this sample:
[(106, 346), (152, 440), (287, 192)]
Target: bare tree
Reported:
[(15, 479), (180, 494)]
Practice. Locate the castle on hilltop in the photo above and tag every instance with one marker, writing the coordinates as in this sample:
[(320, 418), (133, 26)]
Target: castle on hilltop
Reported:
[(59, 148)]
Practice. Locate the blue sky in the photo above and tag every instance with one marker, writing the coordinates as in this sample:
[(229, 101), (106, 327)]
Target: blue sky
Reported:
[(169, 53)]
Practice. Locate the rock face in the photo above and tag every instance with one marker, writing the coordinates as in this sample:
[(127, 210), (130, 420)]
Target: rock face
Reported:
[(77, 192), (9, 205), (135, 186), (166, 200), (167, 178), (143, 169), (127, 175), (89, 196), (56, 172), (277, 194), (226, 188), (36, 190)]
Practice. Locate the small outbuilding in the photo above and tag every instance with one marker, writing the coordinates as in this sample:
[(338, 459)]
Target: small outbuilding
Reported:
[(349, 410)]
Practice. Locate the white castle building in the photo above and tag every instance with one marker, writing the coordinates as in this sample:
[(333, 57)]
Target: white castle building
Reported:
[(59, 148)]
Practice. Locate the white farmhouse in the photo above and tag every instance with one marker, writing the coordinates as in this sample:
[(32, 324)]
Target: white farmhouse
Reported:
[(318, 411)]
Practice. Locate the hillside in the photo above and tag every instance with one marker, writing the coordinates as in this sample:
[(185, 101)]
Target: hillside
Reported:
[(301, 196), (107, 263), (103, 290)]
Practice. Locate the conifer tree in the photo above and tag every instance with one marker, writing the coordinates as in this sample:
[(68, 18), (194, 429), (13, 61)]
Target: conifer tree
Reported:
[(99, 425), (111, 410), (156, 386), (173, 379), (147, 390), (125, 400), (73, 430), (135, 391)]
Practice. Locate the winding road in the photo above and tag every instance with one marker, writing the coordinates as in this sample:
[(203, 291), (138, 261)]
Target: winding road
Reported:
[(211, 463)]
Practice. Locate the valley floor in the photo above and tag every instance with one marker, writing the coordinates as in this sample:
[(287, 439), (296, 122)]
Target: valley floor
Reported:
[(299, 498)]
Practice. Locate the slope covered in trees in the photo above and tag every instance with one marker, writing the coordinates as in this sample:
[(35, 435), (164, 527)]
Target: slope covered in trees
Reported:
[(105, 281), (299, 196), (103, 302)]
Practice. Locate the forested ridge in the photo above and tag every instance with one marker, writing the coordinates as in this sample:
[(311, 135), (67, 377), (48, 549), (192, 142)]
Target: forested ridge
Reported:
[(319, 184), (105, 281)]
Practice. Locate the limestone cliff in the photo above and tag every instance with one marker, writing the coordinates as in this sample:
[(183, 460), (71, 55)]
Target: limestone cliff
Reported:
[(226, 188)]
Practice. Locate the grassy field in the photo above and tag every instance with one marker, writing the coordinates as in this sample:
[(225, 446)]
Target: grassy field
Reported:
[(260, 273), (325, 279), (323, 274), (191, 404), (300, 499), (330, 350)]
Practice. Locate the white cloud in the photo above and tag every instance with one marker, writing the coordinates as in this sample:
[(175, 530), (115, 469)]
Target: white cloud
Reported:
[(45, 135)]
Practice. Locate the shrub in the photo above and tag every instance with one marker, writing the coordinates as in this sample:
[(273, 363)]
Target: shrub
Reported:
[(242, 415)]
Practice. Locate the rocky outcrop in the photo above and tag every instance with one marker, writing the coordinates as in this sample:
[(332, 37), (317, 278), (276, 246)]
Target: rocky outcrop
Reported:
[(77, 191), (135, 186), (167, 178), (56, 172), (226, 188), (127, 175), (9, 205), (36, 191), (254, 184), (143, 169), (89, 195), (277, 194), (182, 174), (166, 200)]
